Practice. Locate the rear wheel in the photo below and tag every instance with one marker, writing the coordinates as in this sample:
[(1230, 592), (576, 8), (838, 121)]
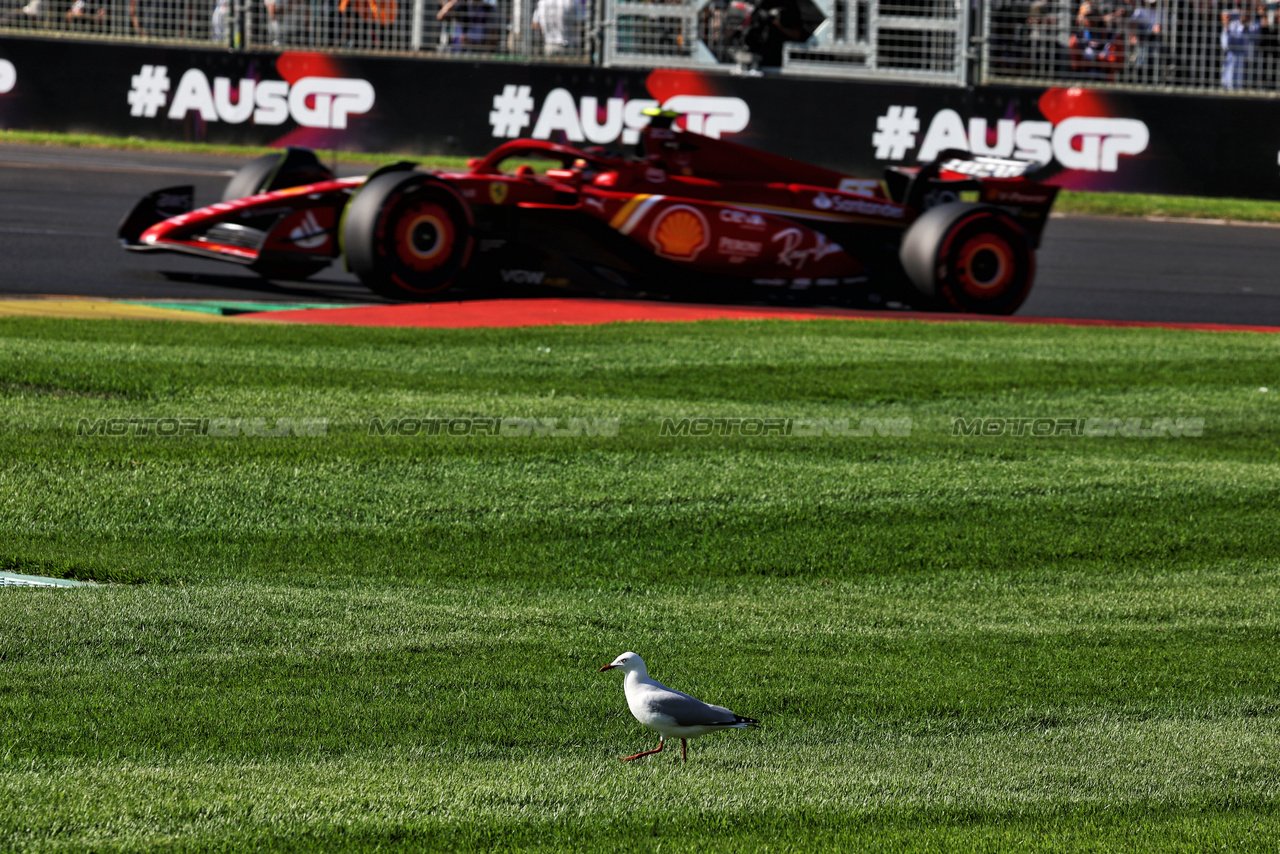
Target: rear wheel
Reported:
[(975, 258), (407, 236)]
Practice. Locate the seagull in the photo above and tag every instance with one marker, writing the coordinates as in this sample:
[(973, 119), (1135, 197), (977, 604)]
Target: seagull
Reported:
[(672, 714)]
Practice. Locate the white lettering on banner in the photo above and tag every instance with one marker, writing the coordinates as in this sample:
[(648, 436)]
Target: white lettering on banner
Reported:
[(1034, 141), (1087, 143), (1005, 129), (634, 118), (272, 98), (193, 94), (317, 102), (559, 113), (579, 120), (595, 132), (1101, 142), (711, 115), (8, 76), (235, 113), (945, 131), (335, 99)]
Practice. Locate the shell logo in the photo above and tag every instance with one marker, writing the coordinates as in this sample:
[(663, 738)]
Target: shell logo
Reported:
[(680, 232)]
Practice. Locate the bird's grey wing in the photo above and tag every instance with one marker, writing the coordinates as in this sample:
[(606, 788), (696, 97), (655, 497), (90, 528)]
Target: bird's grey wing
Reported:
[(689, 711)]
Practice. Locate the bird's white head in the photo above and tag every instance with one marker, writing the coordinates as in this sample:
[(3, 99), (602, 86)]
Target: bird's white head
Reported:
[(628, 662)]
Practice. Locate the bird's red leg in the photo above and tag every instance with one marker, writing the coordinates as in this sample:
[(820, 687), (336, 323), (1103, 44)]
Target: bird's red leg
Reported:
[(684, 749), (657, 749)]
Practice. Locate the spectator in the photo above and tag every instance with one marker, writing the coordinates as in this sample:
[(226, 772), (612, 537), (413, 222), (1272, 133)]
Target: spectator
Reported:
[(1268, 47), (273, 21), (470, 25), (1238, 37), (560, 23), (1146, 41), (288, 21), (31, 11), (142, 16), (220, 23), (364, 28), (82, 14), (1092, 45), (324, 25)]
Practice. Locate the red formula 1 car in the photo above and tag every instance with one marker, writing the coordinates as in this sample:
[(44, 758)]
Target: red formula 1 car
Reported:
[(687, 215)]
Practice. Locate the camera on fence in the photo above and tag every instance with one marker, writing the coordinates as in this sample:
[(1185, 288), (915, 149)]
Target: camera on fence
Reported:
[(752, 34)]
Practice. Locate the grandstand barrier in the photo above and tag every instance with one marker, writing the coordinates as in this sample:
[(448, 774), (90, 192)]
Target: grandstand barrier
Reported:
[(1088, 138), (1224, 46)]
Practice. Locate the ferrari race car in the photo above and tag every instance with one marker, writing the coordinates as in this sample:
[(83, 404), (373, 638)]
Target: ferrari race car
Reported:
[(686, 214)]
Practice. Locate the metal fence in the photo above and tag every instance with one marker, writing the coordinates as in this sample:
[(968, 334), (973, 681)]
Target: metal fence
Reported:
[(1175, 45), (924, 40), (515, 29), (1168, 44), (881, 39)]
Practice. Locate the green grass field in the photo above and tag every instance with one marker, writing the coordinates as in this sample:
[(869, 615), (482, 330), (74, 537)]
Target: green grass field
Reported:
[(356, 642)]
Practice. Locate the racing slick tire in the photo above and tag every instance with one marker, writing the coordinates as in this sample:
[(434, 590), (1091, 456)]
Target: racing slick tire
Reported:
[(292, 167), (974, 258), (407, 236)]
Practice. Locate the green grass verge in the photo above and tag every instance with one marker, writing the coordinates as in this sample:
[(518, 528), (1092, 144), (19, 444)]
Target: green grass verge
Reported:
[(133, 143), (1097, 204), (355, 642), (1194, 207)]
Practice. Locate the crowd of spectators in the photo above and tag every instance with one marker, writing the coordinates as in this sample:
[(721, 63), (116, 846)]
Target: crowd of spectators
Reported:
[(1227, 44), (558, 27), (1232, 44)]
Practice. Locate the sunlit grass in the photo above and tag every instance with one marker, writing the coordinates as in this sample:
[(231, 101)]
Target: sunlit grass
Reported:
[(354, 641)]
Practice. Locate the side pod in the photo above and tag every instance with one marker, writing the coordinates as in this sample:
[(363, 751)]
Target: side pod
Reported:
[(152, 208)]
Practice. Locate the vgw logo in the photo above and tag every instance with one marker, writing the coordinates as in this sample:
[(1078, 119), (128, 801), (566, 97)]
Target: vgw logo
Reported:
[(1080, 142), (581, 120), (314, 102)]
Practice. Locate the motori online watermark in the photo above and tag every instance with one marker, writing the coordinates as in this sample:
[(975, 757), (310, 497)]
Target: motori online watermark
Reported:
[(702, 426), (222, 428), (1134, 427), (504, 427)]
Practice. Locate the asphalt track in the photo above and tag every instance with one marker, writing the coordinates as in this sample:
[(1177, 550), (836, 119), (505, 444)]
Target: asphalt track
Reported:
[(59, 209)]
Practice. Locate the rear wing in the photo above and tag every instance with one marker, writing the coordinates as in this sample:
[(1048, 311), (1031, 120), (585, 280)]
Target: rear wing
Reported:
[(962, 165), (999, 181)]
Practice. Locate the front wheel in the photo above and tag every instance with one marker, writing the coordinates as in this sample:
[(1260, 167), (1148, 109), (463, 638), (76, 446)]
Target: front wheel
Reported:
[(407, 236), (974, 257)]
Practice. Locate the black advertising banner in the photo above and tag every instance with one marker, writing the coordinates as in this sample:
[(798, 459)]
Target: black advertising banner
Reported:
[(1088, 138)]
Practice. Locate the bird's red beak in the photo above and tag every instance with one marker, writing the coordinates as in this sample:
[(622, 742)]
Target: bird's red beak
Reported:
[(607, 667)]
